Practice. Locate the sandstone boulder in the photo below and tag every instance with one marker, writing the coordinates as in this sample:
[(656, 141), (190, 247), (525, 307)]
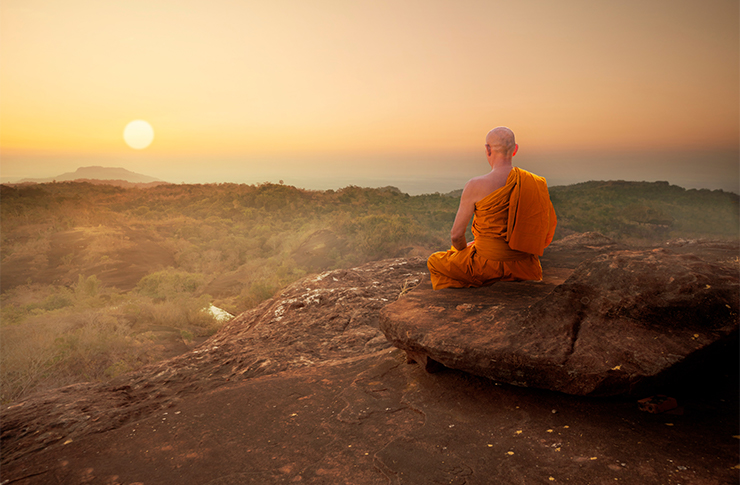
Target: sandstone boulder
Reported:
[(617, 325)]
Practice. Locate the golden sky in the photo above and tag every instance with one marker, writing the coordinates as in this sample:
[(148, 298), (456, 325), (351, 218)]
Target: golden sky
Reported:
[(310, 86)]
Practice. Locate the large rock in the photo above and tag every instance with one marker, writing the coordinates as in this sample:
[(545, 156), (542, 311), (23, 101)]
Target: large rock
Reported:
[(617, 325)]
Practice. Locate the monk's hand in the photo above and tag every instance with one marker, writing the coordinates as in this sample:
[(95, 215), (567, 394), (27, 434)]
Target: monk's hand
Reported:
[(459, 243)]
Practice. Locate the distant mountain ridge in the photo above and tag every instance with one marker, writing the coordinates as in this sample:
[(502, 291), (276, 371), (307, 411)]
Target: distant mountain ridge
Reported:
[(97, 173)]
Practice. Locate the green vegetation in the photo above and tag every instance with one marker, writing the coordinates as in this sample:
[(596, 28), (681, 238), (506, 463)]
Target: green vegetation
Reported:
[(645, 212), (99, 280)]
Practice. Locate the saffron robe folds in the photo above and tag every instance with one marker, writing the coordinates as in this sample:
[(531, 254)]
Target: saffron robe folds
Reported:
[(512, 226)]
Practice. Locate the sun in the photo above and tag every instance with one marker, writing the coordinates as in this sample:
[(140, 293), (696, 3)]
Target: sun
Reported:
[(138, 134)]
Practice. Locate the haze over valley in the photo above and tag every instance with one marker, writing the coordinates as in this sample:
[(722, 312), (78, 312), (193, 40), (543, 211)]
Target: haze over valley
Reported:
[(109, 278)]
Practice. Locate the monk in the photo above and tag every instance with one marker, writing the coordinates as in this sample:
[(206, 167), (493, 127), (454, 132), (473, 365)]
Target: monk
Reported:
[(514, 222)]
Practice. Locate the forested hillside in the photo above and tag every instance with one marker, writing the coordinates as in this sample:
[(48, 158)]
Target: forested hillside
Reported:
[(645, 211), (98, 279)]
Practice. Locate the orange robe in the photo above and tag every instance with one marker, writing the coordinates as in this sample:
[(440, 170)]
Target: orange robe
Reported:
[(512, 226)]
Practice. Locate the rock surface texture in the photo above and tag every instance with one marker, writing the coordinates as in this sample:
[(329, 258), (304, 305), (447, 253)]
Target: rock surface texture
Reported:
[(306, 389), (617, 325), (319, 319)]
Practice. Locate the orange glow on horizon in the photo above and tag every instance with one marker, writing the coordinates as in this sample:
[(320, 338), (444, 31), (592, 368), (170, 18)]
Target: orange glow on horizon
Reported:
[(217, 79)]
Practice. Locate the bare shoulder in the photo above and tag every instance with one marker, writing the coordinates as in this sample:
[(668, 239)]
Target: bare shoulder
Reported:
[(480, 187), (475, 189)]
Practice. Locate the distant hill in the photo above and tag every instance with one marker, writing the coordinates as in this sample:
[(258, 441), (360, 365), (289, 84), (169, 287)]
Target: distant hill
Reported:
[(97, 173)]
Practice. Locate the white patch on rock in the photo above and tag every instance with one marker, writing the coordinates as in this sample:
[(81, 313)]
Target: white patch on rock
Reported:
[(209, 349), (280, 311), (219, 314), (322, 276)]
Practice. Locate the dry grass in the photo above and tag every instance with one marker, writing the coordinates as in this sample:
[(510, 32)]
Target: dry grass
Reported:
[(408, 285), (55, 336)]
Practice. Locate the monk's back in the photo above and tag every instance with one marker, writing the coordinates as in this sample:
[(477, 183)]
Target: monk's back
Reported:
[(490, 182), (492, 213)]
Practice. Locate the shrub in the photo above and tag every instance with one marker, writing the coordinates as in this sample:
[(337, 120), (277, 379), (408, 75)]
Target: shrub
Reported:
[(256, 293), (53, 349), (169, 284), (86, 287)]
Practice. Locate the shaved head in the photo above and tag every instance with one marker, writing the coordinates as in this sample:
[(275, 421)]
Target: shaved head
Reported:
[(501, 140)]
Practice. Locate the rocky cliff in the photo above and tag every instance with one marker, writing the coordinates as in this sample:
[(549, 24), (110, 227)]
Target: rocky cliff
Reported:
[(307, 389)]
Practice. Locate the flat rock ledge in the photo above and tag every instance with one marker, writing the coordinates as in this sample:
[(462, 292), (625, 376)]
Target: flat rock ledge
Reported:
[(619, 323)]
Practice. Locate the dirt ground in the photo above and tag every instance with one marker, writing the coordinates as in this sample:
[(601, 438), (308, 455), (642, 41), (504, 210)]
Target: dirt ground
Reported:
[(378, 420)]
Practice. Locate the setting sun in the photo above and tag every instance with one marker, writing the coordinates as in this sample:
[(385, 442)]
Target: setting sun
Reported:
[(325, 94), (138, 134)]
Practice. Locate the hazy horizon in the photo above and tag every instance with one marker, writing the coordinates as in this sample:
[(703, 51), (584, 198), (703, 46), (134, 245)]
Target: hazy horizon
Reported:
[(714, 171), (321, 93)]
